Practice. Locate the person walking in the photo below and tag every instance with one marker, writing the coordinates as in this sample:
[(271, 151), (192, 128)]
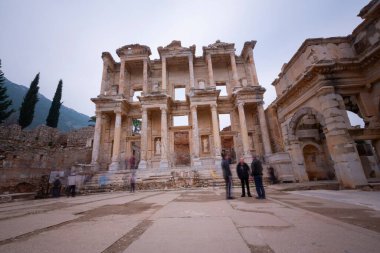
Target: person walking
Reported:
[(257, 173), (242, 170), (132, 181), (227, 175), (57, 187), (132, 162), (71, 182)]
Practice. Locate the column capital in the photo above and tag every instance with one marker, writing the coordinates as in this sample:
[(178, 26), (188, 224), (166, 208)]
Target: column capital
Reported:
[(192, 107), (163, 109), (190, 56), (213, 106), (240, 103)]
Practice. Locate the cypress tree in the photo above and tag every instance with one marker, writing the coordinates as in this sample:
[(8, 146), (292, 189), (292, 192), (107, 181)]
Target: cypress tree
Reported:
[(29, 103), (4, 101), (53, 117)]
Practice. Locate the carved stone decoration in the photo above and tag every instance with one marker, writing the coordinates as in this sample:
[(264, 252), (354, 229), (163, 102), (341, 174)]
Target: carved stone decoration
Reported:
[(157, 150)]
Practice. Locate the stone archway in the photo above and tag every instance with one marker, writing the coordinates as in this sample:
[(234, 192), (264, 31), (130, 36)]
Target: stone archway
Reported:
[(315, 163)]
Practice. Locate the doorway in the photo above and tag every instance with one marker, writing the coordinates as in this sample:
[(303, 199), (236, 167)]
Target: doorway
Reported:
[(182, 148)]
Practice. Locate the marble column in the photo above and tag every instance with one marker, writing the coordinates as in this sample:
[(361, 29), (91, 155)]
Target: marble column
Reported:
[(210, 71), (191, 71), (215, 132), (115, 165), (252, 67), (264, 129), (144, 139), (164, 164), (122, 77), (163, 64), (104, 79), (96, 143), (244, 132), (195, 136), (234, 70), (145, 76)]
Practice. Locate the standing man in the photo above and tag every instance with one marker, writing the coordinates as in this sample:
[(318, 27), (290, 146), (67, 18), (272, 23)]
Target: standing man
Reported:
[(242, 170), (257, 173), (227, 176)]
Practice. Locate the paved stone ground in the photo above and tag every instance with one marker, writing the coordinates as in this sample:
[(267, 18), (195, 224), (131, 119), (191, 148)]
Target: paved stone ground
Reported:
[(195, 221)]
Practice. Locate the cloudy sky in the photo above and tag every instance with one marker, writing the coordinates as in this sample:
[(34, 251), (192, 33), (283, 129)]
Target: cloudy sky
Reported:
[(64, 39)]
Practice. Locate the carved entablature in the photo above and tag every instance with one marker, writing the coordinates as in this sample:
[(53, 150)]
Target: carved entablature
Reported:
[(175, 49), (204, 95), (249, 94), (108, 104), (219, 48), (156, 100), (133, 50)]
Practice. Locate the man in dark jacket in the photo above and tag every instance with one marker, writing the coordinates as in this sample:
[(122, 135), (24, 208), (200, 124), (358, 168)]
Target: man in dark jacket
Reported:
[(227, 175), (257, 173), (242, 171)]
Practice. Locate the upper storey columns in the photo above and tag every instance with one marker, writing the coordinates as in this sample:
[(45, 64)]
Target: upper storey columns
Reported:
[(163, 63), (235, 77), (252, 68), (145, 76), (210, 71), (191, 70), (122, 77)]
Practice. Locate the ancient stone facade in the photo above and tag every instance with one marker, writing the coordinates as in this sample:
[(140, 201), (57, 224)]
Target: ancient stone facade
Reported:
[(309, 126), (218, 82), (26, 155)]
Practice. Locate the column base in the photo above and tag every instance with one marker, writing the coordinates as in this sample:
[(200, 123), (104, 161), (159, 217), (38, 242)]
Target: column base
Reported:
[(247, 158), (218, 162), (115, 165), (197, 163), (143, 165), (164, 165), (96, 166)]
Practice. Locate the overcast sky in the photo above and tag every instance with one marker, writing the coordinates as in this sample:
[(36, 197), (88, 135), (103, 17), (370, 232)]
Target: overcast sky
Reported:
[(64, 39)]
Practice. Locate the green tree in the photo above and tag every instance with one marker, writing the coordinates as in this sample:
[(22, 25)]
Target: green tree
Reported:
[(53, 117), (4, 101), (29, 103)]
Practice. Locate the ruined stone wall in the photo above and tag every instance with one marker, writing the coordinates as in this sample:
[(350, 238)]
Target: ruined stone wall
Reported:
[(26, 155)]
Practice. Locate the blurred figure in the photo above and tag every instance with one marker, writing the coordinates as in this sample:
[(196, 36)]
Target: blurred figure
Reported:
[(132, 162), (132, 181), (57, 187), (71, 182), (227, 175)]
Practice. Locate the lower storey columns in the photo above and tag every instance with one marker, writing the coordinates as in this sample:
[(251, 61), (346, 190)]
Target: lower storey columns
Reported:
[(195, 136), (164, 164), (144, 139), (244, 133), (215, 132), (97, 136), (115, 165), (264, 130)]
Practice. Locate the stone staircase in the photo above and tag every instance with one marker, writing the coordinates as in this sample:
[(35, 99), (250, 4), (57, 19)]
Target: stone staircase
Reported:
[(178, 178)]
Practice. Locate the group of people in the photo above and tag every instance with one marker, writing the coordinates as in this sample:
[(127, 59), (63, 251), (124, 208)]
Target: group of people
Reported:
[(243, 171), (70, 186)]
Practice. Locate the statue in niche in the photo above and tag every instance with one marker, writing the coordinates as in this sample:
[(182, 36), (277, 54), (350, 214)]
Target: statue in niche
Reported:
[(205, 145), (155, 87), (158, 146)]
